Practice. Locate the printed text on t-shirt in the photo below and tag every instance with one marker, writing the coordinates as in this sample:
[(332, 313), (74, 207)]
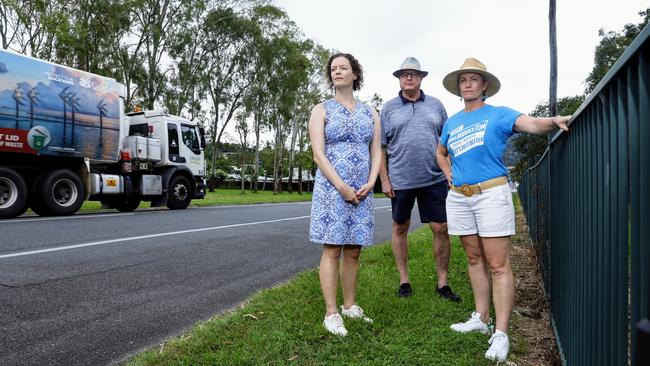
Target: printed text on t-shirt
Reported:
[(463, 139)]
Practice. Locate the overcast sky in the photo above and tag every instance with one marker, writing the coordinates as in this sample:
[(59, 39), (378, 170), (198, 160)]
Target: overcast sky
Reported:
[(509, 36)]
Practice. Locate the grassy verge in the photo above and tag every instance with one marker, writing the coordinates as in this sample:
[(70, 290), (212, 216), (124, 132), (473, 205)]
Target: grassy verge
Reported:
[(224, 197), (221, 197), (282, 325)]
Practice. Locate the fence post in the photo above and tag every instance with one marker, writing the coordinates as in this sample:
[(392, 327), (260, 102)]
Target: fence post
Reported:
[(643, 343)]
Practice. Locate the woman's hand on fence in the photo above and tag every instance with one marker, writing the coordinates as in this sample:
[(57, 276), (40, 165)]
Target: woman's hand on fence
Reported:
[(561, 122)]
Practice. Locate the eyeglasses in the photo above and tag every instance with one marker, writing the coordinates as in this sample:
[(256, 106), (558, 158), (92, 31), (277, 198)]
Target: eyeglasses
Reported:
[(412, 75)]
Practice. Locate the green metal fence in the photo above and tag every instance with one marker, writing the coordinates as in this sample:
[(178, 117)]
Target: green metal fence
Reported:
[(587, 202)]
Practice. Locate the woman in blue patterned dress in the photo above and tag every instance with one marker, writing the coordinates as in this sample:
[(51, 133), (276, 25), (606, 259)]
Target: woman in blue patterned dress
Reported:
[(345, 140)]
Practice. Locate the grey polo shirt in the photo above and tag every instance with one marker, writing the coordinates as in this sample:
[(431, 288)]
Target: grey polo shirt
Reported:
[(410, 132)]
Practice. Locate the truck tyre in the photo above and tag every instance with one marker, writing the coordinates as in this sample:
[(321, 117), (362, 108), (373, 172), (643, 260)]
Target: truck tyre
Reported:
[(126, 204), (13, 194), (58, 192), (180, 193)]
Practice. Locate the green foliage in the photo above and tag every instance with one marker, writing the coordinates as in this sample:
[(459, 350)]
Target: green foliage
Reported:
[(219, 174), (376, 102), (529, 147), (611, 47)]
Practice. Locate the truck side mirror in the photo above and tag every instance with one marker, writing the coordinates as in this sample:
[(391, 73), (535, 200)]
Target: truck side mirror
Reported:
[(202, 133)]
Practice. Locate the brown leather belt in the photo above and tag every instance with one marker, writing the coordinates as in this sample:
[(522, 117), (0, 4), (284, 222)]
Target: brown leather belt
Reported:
[(471, 189)]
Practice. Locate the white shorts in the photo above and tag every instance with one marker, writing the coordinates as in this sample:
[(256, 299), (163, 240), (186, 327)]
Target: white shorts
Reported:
[(488, 214)]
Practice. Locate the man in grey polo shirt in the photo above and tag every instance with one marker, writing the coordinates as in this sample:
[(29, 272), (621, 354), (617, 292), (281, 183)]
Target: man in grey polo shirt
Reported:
[(410, 128)]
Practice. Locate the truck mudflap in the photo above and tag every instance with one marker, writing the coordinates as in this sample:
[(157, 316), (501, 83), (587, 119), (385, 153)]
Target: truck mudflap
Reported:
[(199, 191)]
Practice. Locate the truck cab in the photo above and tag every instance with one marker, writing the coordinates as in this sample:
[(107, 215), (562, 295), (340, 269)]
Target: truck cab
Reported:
[(181, 140), (170, 147)]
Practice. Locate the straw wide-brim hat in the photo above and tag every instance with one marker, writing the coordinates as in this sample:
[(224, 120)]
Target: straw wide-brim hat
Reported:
[(410, 63), (450, 82)]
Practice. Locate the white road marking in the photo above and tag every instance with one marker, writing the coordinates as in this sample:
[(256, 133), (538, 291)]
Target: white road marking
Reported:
[(111, 241)]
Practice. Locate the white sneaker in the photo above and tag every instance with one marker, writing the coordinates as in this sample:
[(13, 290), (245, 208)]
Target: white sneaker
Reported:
[(474, 324), (499, 347), (334, 324), (355, 312)]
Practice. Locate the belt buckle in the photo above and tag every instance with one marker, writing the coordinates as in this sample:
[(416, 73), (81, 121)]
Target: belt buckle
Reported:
[(466, 190)]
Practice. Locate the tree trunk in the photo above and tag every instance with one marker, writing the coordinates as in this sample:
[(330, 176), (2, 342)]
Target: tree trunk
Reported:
[(300, 167), (213, 166), (277, 159), (241, 175), (216, 100), (292, 154), (256, 167)]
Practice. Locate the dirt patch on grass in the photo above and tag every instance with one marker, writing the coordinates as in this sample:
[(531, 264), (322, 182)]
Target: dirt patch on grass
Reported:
[(531, 316)]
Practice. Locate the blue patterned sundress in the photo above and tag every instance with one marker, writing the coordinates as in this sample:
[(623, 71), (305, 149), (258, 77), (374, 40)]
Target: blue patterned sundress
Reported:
[(347, 146)]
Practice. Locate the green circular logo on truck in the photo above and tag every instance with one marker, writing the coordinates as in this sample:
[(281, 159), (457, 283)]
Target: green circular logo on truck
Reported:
[(38, 137)]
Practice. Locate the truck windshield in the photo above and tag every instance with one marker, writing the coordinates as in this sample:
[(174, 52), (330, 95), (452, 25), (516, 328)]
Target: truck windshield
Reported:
[(190, 139)]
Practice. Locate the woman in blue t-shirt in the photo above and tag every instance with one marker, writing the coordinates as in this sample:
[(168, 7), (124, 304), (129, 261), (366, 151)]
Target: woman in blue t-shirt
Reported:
[(479, 204)]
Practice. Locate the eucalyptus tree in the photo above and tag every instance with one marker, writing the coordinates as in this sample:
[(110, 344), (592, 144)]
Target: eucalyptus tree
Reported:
[(11, 22), (30, 26), (309, 94), (288, 73), (229, 36), (117, 44), (153, 26), (86, 37), (271, 21), (130, 70), (184, 94), (299, 118), (226, 78), (257, 99)]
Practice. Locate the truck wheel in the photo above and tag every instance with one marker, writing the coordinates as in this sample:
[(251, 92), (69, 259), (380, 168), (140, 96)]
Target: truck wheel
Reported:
[(13, 194), (126, 204), (180, 193), (58, 192)]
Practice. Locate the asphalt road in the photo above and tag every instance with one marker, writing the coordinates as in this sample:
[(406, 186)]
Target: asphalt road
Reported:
[(94, 289)]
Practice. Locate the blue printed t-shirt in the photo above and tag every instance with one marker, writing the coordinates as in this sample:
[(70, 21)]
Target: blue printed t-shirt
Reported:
[(409, 132), (476, 140)]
